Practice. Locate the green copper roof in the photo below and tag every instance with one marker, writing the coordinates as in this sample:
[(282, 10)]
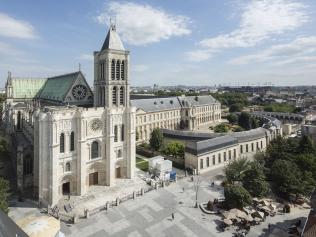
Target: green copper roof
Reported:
[(56, 88), (27, 88)]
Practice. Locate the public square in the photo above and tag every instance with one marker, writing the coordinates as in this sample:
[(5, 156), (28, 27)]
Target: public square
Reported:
[(151, 215)]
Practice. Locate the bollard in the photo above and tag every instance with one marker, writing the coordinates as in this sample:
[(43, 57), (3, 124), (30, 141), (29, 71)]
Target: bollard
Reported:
[(48, 207), (107, 205), (142, 191), (134, 195), (76, 219), (117, 201), (186, 173), (163, 184), (175, 179)]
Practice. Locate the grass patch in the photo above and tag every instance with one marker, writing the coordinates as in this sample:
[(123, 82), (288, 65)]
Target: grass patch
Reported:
[(142, 164)]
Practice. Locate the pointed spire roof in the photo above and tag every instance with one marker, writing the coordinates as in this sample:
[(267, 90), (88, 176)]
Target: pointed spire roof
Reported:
[(112, 40)]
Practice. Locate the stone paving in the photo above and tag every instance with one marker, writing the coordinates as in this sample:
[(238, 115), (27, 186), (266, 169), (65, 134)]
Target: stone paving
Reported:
[(151, 215)]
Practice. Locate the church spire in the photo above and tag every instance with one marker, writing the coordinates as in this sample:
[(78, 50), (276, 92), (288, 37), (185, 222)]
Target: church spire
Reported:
[(112, 40)]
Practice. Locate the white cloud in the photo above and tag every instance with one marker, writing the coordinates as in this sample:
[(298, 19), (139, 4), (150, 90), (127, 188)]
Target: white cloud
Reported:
[(86, 57), (198, 55), (140, 68), (302, 49), (142, 24), (260, 20), (8, 50), (13, 28)]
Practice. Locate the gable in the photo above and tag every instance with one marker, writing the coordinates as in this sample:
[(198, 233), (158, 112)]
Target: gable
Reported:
[(79, 92)]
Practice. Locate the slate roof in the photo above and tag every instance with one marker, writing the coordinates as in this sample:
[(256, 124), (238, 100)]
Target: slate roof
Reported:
[(200, 147), (26, 88), (196, 100), (188, 135), (156, 104), (169, 103), (56, 88), (112, 40), (249, 135)]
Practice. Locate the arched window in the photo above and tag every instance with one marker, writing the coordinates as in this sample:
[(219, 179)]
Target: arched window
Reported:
[(27, 165), (122, 133), (122, 96), (115, 133), (94, 150), (118, 67), (62, 143), (114, 95), (67, 167), (19, 121), (72, 141), (113, 69), (122, 70)]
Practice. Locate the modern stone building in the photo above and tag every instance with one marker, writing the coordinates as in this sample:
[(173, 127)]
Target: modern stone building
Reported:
[(64, 137)]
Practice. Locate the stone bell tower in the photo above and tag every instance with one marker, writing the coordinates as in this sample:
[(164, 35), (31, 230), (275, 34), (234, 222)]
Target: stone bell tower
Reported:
[(111, 91)]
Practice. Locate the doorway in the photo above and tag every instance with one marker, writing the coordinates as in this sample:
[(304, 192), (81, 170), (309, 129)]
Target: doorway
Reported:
[(118, 172), (93, 178), (66, 188)]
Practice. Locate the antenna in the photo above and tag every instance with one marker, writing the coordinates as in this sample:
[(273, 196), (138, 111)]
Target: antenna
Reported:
[(79, 67)]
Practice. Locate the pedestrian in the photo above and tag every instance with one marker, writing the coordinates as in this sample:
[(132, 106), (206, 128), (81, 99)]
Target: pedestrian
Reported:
[(172, 216), (183, 189)]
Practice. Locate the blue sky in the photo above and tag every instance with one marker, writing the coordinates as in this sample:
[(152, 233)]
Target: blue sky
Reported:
[(188, 42)]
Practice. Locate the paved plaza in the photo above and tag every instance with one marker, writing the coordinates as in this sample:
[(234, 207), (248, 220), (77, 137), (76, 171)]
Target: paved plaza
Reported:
[(151, 215)]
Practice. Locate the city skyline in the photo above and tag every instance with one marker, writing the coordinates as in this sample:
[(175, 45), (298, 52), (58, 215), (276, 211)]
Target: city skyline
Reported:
[(190, 43)]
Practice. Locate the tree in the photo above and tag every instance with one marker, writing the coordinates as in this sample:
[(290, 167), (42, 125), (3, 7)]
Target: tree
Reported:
[(288, 179), (234, 171), (232, 118), (175, 149), (254, 180), (4, 194), (197, 180), (306, 145), (247, 121), (235, 108), (221, 128), (237, 196), (156, 139)]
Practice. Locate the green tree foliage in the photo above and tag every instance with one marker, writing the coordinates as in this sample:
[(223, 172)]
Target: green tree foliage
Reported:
[(175, 149), (234, 171), (306, 145), (288, 179), (230, 98), (4, 194), (247, 121), (254, 180), (221, 128), (285, 108), (237, 196), (3, 147), (235, 108), (232, 118), (156, 139)]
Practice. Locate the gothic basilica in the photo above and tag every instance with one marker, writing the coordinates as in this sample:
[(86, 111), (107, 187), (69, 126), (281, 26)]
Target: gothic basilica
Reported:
[(65, 137)]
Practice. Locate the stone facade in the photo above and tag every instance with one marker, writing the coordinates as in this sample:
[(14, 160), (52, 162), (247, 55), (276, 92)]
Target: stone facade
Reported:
[(183, 112), (74, 144)]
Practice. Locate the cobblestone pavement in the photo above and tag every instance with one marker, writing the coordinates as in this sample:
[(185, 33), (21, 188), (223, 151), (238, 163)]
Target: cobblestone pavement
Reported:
[(151, 215)]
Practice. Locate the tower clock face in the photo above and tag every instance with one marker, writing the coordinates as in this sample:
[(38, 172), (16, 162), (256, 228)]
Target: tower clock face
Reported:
[(79, 92)]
